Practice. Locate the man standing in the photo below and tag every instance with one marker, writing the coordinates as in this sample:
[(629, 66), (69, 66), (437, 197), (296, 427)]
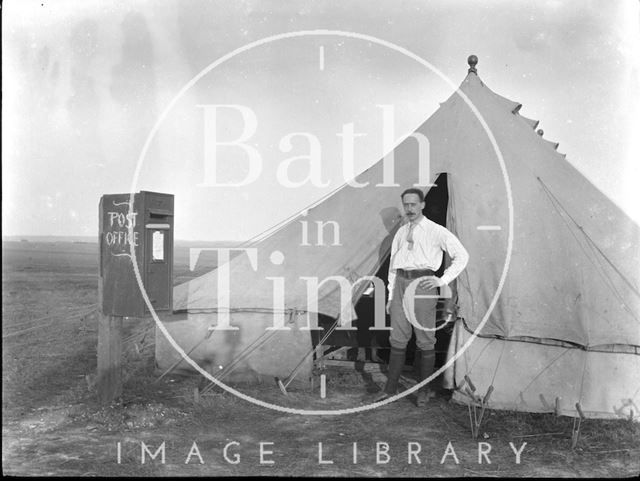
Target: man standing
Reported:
[(416, 253)]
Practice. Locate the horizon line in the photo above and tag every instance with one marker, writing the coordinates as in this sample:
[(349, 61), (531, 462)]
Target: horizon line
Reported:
[(94, 239)]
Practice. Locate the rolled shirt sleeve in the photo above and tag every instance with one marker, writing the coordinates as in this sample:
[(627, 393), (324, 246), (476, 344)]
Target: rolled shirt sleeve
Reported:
[(459, 256)]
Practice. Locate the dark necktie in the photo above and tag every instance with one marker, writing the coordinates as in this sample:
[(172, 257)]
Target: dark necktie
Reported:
[(410, 235)]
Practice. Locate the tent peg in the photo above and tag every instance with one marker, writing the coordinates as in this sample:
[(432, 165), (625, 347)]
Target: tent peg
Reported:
[(477, 402), (488, 395), (577, 423), (282, 386), (196, 395), (468, 379)]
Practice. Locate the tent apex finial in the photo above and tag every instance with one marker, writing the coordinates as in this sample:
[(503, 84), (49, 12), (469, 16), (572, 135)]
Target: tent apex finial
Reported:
[(472, 60)]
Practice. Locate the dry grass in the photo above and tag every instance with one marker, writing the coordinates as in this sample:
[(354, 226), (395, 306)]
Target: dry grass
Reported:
[(53, 425)]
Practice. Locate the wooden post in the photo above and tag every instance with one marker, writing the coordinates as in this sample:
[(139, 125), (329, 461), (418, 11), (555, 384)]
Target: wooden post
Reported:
[(109, 374), (109, 379)]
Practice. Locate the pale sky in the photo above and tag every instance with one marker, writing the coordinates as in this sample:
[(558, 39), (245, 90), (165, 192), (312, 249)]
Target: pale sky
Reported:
[(84, 82)]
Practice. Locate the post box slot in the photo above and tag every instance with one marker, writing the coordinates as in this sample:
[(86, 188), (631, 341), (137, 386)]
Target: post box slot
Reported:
[(158, 213)]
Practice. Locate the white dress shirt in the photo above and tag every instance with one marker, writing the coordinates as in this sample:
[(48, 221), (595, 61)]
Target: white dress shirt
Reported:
[(429, 241)]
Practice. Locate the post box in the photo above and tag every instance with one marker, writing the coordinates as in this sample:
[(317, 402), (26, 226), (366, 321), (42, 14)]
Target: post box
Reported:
[(151, 237)]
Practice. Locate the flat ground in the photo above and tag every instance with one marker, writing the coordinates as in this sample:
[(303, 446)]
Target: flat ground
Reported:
[(52, 424)]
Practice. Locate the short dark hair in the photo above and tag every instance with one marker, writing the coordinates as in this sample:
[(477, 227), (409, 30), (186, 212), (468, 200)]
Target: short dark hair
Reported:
[(418, 192)]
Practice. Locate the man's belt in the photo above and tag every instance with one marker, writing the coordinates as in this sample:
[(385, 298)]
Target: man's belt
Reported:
[(414, 273)]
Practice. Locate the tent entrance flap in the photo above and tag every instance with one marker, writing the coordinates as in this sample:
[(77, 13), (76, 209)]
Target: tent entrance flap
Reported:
[(436, 202)]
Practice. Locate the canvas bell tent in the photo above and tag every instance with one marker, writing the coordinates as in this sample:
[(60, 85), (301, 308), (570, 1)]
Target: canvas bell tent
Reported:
[(551, 290)]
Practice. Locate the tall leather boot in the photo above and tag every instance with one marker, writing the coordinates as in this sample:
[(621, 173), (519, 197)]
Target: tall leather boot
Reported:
[(427, 362), (396, 363)]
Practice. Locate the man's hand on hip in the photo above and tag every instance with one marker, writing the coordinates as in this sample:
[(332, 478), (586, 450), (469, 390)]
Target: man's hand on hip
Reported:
[(431, 282)]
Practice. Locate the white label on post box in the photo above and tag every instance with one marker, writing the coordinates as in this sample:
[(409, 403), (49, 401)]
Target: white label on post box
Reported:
[(158, 246)]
